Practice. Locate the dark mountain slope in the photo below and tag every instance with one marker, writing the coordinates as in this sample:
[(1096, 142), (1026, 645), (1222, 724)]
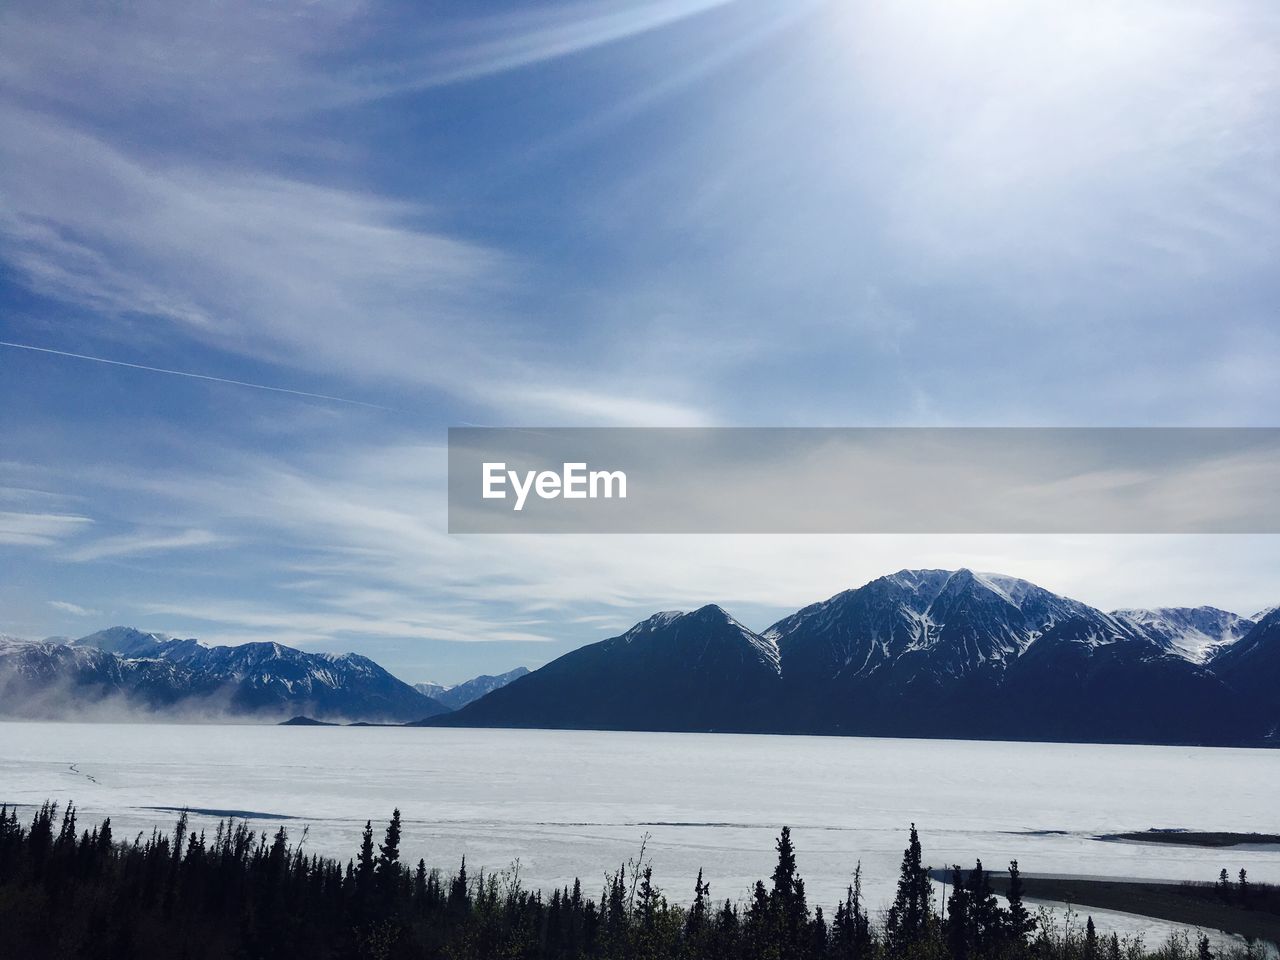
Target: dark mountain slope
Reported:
[(1090, 681), (674, 671), (1251, 667)]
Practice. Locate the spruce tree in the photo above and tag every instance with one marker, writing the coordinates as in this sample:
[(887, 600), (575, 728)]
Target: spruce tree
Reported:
[(861, 923), (911, 915), (697, 916), (1020, 922), (387, 866), (787, 897), (986, 919), (958, 921)]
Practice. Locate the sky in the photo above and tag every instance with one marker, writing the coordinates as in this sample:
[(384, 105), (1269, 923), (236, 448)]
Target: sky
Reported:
[(405, 217)]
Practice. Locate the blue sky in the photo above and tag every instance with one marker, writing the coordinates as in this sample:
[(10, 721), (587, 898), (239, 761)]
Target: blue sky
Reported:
[(597, 213)]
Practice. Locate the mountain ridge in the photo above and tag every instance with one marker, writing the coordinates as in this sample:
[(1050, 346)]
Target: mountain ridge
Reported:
[(125, 671), (918, 653), (929, 653)]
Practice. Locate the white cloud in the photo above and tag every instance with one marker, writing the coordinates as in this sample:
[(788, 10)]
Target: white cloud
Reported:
[(73, 608), (363, 550), (143, 543), (39, 529)]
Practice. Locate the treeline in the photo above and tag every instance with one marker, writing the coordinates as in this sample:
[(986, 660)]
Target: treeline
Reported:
[(67, 892), (1244, 893)]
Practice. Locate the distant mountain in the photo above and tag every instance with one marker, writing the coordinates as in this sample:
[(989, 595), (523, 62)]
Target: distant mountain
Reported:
[(433, 690), (675, 671), (1196, 633), (1252, 667), (124, 670), (928, 653), (459, 695)]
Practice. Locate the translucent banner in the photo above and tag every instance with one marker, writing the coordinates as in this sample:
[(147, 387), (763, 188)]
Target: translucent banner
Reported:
[(864, 480)]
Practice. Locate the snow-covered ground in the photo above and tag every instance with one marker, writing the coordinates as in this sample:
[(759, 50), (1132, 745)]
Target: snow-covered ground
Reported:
[(567, 803)]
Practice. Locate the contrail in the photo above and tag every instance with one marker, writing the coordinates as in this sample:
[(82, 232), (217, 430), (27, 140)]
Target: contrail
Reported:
[(195, 376)]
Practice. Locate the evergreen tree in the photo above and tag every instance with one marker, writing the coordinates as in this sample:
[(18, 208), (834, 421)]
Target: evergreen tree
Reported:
[(987, 921), (1020, 922), (459, 894), (787, 897), (696, 919), (420, 883), (365, 864), (387, 867), (958, 920), (911, 916), (1090, 940), (861, 923)]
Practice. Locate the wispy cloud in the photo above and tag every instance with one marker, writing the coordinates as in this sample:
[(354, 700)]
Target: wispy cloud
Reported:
[(143, 543), (294, 57), (73, 608), (39, 529)]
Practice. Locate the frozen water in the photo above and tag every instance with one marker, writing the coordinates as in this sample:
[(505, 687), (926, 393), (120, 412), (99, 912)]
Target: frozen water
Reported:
[(569, 803)]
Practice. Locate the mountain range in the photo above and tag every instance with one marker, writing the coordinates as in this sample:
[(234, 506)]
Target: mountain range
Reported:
[(458, 695), (125, 672), (920, 653)]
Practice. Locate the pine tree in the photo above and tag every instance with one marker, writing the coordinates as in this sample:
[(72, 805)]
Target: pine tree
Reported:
[(420, 883), (958, 921), (697, 917), (861, 922), (387, 866), (1090, 940), (787, 898), (1020, 923), (911, 915), (365, 864), (459, 896), (986, 920)]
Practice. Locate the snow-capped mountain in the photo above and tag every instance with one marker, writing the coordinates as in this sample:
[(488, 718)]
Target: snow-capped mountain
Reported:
[(926, 653), (459, 695), (920, 623), (125, 670), (931, 653), (1197, 633), (674, 671)]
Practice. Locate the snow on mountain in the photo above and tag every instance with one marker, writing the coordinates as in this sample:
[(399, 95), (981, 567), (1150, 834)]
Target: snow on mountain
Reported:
[(133, 670), (1196, 633), (460, 694), (938, 621), (433, 690)]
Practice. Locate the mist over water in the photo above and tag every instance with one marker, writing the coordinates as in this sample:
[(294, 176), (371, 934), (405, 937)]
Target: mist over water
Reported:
[(579, 803)]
